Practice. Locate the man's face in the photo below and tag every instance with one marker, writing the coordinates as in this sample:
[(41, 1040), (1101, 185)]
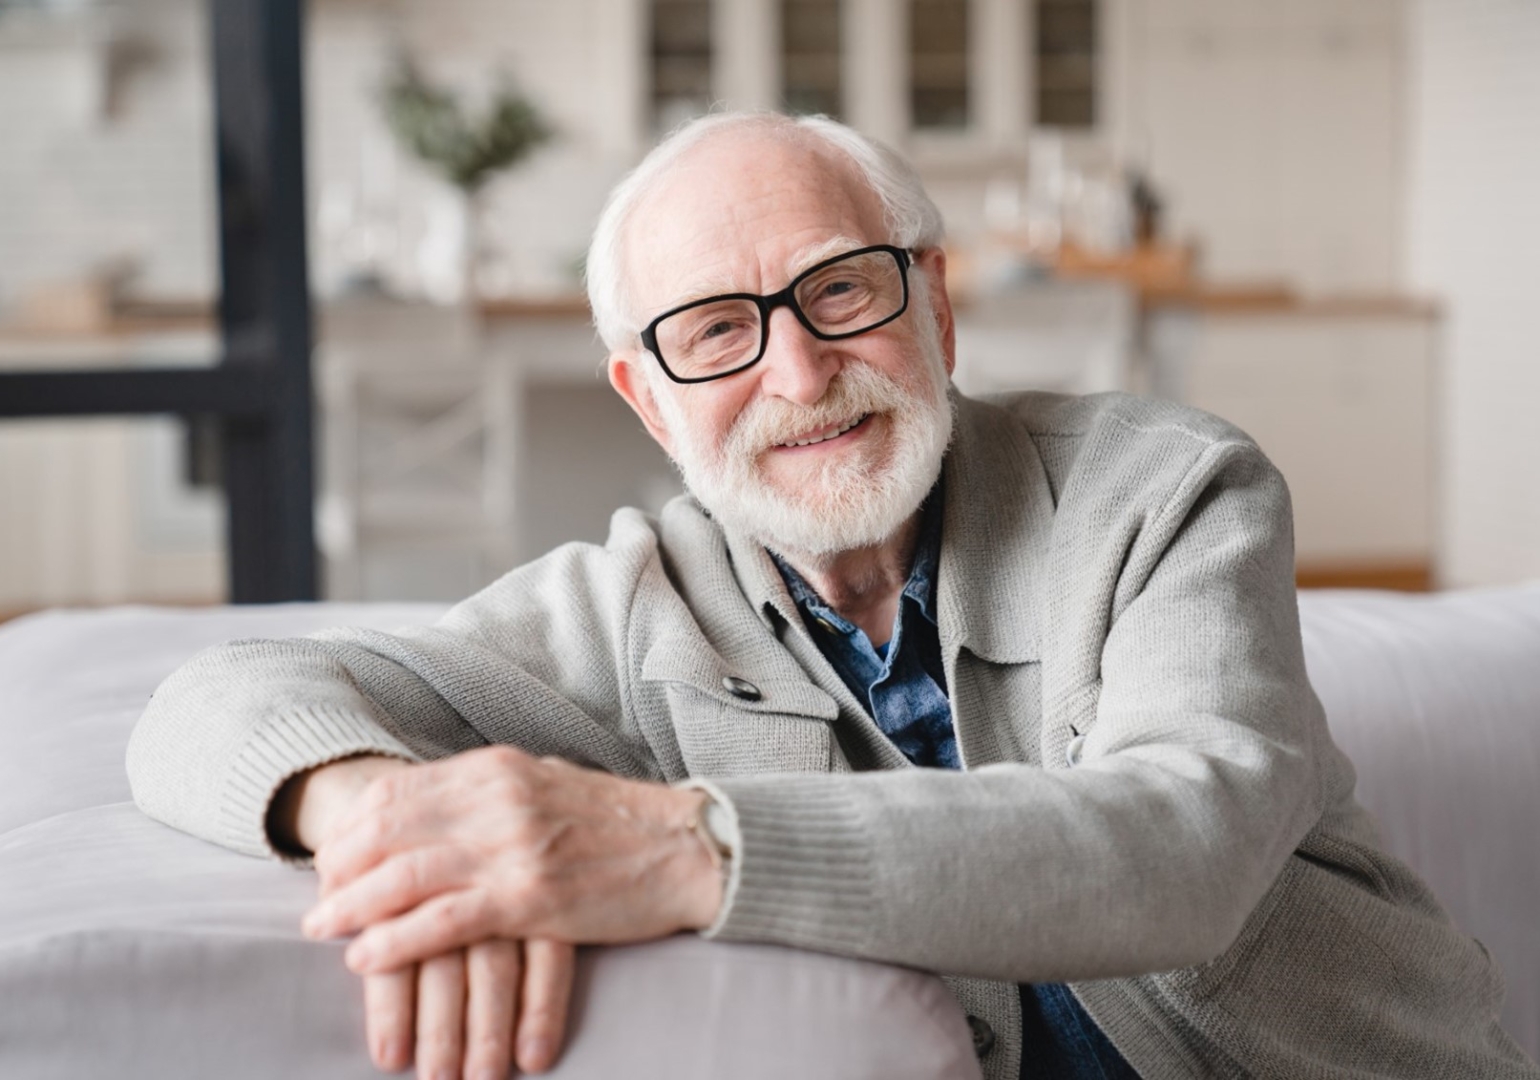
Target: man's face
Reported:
[(743, 213)]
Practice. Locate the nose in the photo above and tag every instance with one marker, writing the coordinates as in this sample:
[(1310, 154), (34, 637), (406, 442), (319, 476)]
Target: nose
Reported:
[(796, 365)]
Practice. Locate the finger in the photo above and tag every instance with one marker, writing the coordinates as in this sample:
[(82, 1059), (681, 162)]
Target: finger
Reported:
[(390, 1012), (394, 812), (548, 972), (492, 971), (441, 1016), (399, 884), (376, 830), (451, 920)]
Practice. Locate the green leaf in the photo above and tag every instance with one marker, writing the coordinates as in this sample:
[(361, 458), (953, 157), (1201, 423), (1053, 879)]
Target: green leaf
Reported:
[(431, 123)]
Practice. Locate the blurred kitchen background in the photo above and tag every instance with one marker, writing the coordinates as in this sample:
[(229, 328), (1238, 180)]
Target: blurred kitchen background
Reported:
[(1317, 218)]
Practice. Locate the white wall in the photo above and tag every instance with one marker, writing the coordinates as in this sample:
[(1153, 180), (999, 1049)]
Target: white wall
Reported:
[(79, 184), (1474, 240), (1275, 128)]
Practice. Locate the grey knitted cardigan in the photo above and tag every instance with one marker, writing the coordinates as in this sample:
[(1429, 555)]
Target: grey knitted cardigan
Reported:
[(1195, 866)]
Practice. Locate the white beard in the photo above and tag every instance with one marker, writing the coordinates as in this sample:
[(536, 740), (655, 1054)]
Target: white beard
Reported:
[(853, 500)]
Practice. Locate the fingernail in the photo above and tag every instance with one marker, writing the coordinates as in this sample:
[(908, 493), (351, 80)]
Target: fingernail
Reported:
[(446, 1074), (391, 1053), (358, 958), (314, 924), (489, 1073), (534, 1053)]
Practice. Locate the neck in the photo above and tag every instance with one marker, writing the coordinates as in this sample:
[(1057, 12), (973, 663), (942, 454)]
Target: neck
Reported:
[(865, 584)]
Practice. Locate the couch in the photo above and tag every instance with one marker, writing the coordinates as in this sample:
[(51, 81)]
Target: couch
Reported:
[(130, 950)]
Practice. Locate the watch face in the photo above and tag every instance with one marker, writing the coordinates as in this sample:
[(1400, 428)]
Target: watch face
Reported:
[(719, 827)]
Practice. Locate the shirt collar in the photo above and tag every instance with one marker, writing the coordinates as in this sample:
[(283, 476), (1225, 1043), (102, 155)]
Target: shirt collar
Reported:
[(921, 586)]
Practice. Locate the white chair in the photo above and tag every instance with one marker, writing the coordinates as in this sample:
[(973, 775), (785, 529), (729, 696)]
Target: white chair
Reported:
[(419, 454), (1066, 337)]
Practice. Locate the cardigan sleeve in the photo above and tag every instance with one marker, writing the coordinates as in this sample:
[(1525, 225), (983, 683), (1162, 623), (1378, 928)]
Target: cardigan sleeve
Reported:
[(533, 660)]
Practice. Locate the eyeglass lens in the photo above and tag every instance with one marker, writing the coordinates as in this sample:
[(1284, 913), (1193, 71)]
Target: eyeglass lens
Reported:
[(843, 297)]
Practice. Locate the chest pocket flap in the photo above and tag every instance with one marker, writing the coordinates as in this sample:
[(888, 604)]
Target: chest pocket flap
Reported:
[(737, 720)]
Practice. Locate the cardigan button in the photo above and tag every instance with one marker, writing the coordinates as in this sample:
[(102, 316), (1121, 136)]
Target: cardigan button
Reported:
[(741, 688), (983, 1036)]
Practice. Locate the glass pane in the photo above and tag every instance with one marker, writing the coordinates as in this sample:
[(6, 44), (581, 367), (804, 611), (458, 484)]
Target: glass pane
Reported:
[(711, 337), (852, 293), (1066, 63), (109, 232), (681, 61), (810, 56), (938, 63), (107, 209)]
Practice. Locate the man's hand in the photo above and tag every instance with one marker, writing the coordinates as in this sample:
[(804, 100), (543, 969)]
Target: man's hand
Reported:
[(472, 1011), (482, 1007), (311, 803), (496, 843)]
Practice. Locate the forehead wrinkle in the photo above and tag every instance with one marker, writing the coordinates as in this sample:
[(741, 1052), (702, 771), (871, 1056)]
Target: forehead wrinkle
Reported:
[(806, 256), (718, 284)]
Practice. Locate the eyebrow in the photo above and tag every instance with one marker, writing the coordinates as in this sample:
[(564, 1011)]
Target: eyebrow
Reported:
[(813, 254), (804, 257)]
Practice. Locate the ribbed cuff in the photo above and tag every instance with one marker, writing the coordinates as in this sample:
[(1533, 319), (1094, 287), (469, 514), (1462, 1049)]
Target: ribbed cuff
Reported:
[(802, 874), (288, 744)]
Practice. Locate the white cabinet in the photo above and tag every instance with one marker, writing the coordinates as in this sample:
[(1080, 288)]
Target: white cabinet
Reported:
[(1344, 404), (95, 511)]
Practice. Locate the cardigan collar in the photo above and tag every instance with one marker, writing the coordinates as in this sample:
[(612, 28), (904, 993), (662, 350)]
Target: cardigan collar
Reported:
[(995, 536)]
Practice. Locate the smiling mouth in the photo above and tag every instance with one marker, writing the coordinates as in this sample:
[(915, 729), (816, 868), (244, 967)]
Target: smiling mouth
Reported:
[(825, 434)]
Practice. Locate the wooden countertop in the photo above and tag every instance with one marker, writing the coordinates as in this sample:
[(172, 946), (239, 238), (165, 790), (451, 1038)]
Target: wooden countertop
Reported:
[(1264, 299)]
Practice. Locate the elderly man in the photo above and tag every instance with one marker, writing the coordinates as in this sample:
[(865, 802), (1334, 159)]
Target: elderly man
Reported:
[(1011, 692)]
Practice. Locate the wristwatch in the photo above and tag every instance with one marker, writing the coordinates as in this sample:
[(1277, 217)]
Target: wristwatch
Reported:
[(714, 826)]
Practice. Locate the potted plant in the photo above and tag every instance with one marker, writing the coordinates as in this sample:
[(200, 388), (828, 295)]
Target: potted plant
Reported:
[(467, 151)]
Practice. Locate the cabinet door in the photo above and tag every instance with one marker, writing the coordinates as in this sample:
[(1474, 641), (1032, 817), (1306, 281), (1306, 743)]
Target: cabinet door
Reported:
[(1344, 406)]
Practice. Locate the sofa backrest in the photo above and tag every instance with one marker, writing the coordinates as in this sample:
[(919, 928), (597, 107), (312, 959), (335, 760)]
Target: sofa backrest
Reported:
[(1436, 699)]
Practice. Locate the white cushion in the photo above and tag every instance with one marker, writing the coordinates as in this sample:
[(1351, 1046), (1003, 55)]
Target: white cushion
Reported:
[(1436, 699), (130, 950)]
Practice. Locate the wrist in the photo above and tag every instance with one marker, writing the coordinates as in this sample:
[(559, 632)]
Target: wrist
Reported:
[(710, 850), (309, 803)]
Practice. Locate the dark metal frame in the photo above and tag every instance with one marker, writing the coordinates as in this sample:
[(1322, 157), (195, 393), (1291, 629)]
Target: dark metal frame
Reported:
[(260, 391)]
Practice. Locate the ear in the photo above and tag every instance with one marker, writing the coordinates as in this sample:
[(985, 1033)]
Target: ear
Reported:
[(631, 383), (932, 262)]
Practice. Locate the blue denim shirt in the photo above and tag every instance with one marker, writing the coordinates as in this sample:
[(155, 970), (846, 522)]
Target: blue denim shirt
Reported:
[(902, 684), (903, 687)]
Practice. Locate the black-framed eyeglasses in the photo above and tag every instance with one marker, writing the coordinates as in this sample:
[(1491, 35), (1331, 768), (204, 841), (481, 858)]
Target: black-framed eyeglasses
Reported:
[(838, 298)]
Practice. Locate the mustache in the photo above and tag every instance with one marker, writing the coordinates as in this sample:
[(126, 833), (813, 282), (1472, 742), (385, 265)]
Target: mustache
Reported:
[(855, 391)]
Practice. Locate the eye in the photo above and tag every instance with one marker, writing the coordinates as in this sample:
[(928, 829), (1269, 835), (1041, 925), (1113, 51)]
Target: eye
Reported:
[(837, 288), (717, 329)]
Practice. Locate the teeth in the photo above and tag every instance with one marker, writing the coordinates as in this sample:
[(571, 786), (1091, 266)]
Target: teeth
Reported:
[(825, 438)]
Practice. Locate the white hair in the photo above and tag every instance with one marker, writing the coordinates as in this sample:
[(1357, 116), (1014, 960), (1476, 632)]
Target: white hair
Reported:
[(912, 218)]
